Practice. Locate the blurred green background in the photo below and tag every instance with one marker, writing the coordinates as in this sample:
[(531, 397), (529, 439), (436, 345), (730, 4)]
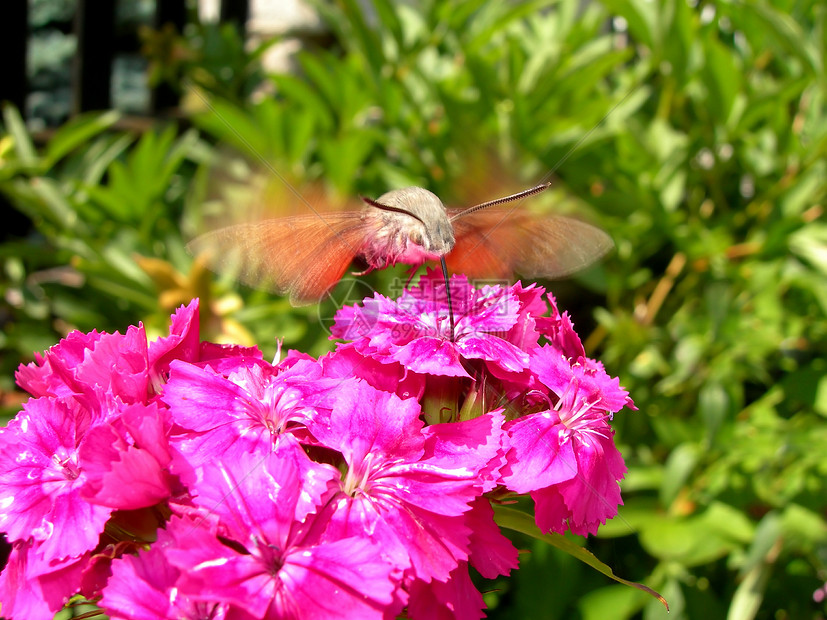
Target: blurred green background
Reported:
[(695, 133)]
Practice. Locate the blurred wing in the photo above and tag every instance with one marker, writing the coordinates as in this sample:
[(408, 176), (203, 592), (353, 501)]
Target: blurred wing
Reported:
[(496, 243), (302, 256)]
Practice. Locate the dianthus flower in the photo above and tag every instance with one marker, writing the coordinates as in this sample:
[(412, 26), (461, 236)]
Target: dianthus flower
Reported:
[(88, 450), (558, 403), (414, 330), (180, 478), (255, 546)]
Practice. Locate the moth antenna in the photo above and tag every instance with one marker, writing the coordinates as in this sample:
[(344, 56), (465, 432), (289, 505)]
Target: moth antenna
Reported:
[(382, 207), (448, 294), (498, 201)]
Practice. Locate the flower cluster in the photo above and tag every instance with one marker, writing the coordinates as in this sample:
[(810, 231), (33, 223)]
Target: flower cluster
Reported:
[(179, 478)]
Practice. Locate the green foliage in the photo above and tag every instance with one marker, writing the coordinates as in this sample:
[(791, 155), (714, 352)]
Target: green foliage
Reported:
[(95, 199), (695, 135), (210, 56)]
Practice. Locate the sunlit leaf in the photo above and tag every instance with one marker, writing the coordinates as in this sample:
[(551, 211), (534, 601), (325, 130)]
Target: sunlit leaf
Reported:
[(522, 522)]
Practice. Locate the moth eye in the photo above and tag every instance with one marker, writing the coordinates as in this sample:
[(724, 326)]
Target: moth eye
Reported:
[(416, 237)]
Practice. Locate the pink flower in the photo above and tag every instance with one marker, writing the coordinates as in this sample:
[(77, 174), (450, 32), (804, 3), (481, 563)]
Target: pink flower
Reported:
[(48, 374), (415, 331), (31, 587), (92, 440), (123, 366), (351, 486), (408, 488), (126, 460), (143, 587), (42, 479), (258, 550), (248, 410), (566, 456), (112, 363)]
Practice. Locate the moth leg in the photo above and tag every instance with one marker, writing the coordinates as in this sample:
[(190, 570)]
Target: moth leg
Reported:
[(362, 273), (411, 274)]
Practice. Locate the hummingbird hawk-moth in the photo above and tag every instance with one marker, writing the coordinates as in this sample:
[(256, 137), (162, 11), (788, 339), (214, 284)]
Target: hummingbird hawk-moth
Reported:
[(304, 256)]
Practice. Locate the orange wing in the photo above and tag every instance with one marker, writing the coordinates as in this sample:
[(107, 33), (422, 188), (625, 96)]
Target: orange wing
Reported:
[(302, 256), (496, 243)]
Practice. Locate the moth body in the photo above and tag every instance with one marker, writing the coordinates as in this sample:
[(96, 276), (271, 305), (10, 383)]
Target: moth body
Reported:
[(413, 228)]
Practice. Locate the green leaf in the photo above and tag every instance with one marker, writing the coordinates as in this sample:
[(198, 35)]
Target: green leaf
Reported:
[(176, 154), (802, 528), (786, 31), (699, 539), (23, 145), (389, 19), (680, 40), (807, 189), (757, 569), (641, 19), (304, 101), (56, 207), (100, 156), (610, 602), (495, 17), (723, 79), (327, 83), (241, 128), (808, 386), (524, 523), (362, 36), (713, 406), (344, 156), (678, 470), (810, 243), (76, 132)]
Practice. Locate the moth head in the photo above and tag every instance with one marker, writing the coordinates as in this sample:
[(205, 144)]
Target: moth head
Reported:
[(429, 225)]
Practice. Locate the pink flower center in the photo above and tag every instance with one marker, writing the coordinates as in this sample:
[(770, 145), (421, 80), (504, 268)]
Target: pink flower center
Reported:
[(577, 414), (357, 479), (66, 463)]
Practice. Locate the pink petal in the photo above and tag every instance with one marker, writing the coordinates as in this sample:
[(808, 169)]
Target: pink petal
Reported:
[(492, 554), (431, 356), (454, 599), (182, 343), (539, 454), (42, 480)]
